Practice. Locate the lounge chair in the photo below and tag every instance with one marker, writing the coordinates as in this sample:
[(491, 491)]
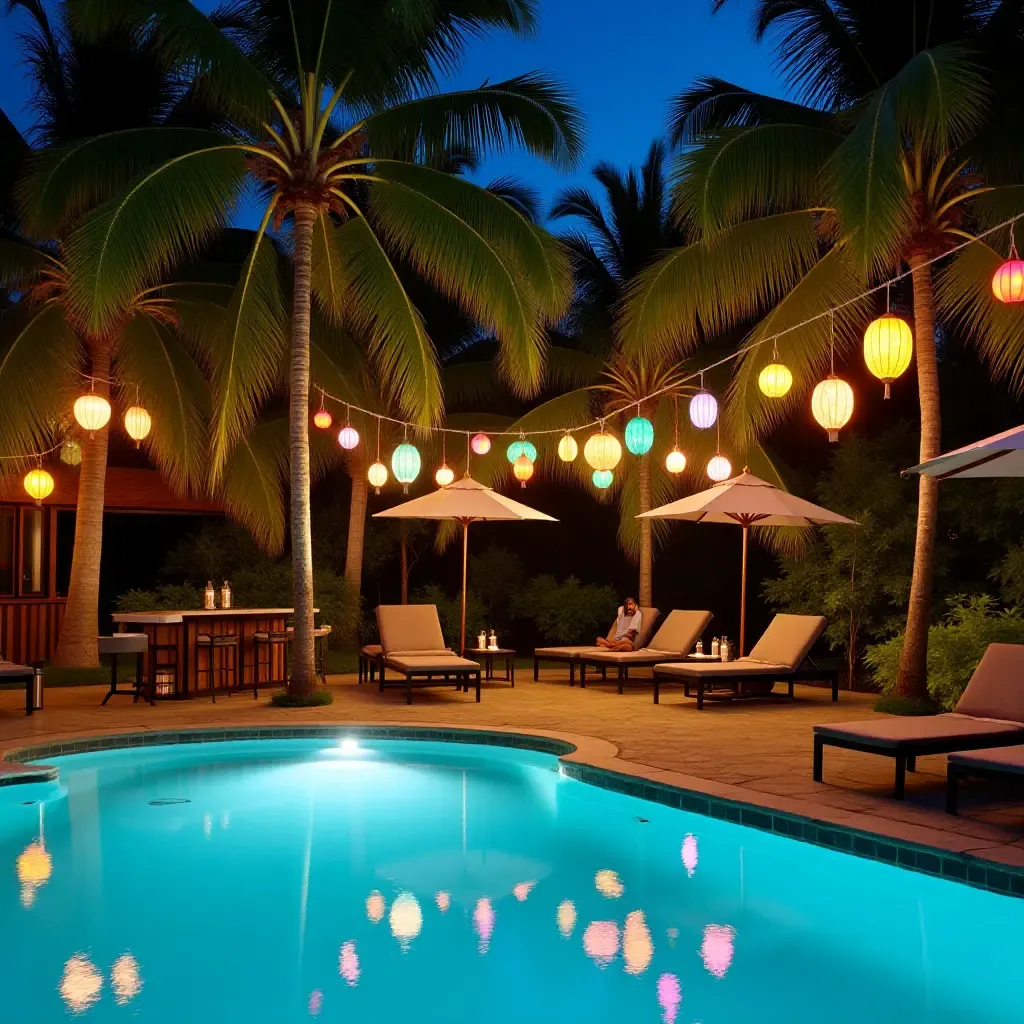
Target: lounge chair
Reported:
[(674, 639), (572, 655), (370, 655), (778, 657), (990, 713), (412, 645), (13, 675), (1004, 763)]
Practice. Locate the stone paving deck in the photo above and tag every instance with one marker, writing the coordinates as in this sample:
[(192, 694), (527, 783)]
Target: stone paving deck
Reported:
[(754, 751)]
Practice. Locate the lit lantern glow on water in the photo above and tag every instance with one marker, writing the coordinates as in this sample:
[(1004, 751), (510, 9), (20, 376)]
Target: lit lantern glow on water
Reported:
[(689, 854), (522, 890), (716, 949), (637, 947), (405, 919), (348, 964), (608, 883), (316, 1002), (566, 917), (34, 866), (125, 979), (375, 907), (443, 901), (670, 995), (483, 923), (81, 984), (601, 942)]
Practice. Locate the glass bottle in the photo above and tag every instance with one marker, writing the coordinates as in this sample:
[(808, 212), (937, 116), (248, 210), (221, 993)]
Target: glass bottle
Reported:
[(716, 647), (225, 595), (210, 597)]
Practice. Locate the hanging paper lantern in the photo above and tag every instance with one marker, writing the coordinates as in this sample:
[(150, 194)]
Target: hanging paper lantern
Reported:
[(602, 451), (481, 444), (639, 435), (322, 419), (675, 461), (522, 469), (377, 474), (405, 464), (92, 412), (38, 484), (832, 405), (348, 438), (71, 453), (568, 449), (775, 380), (137, 423), (719, 469), (703, 410), (1008, 281), (444, 476), (517, 448), (602, 478), (888, 348)]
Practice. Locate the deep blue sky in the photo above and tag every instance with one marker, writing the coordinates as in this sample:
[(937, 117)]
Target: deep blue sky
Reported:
[(622, 60)]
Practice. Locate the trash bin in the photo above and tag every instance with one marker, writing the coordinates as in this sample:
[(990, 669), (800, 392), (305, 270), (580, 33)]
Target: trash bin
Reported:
[(35, 691)]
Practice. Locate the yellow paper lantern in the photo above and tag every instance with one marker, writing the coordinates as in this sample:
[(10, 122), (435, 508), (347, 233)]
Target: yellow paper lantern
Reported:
[(568, 449), (92, 412), (444, 476), (1008, 280), (137, 423), (888, 348), (322, 419), (602, 451), (675, 461), (832, 405), (377, 474), (522, 469), (38, 484), (719, 469), (775, 380)]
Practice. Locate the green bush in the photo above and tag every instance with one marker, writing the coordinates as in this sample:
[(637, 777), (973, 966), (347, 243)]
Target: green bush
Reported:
[(569, 612), (955, 646), (170, 596), (449, 611)]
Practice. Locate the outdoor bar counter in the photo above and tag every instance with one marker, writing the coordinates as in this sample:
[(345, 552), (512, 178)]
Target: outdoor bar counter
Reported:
[(174, 667)]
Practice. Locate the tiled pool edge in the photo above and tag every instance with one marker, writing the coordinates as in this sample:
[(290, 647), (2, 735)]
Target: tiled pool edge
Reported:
[(956, 867)]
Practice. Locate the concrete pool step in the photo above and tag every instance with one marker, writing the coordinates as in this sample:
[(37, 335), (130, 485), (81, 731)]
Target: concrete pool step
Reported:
[(14, 774)]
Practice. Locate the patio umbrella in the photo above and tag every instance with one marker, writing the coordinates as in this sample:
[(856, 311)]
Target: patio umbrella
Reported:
[(748, 501), (996, 456), (465, 501)]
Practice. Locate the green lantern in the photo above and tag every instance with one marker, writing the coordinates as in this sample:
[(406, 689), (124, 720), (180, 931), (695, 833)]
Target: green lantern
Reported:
[(602, 478), (521, 447), (405, 464), (639, 435)]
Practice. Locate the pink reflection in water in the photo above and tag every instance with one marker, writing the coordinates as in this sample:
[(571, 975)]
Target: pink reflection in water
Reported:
[(601, 942), (689, 854), (316, 1002), (717, 948), (522, 890), (670, 995), (483, 922), (348, 963), (443, 901)]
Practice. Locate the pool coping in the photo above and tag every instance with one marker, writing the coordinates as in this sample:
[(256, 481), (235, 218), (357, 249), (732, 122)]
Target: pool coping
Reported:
[(589, 760)]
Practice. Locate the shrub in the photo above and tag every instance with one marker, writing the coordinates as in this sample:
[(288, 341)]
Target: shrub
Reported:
[(569, 612), (163, 598), (318, 698), (955, 646), (449, 611)]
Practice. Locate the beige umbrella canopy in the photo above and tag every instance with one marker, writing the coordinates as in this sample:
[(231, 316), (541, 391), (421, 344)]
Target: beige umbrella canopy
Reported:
[(748, 501), (1000, 455), (465, 501)]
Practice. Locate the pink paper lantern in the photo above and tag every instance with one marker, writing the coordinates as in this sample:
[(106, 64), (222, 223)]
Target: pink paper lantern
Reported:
[(348, 438), (481, 444)]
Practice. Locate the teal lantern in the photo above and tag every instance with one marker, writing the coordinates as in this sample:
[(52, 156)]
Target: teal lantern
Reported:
[(602, 478), (405, 464), (522, 447), (639, 435)]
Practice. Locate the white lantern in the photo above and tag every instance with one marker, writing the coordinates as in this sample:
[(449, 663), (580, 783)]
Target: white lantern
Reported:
[(675, 461), (137, 423), (92, 412), (444, 476), (703, 410), (719, 469)]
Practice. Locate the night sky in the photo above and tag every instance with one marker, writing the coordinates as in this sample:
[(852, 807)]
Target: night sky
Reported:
[(622, 61)]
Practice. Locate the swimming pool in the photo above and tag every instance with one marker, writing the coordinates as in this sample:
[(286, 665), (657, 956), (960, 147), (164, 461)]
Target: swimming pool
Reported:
[(406, 881)]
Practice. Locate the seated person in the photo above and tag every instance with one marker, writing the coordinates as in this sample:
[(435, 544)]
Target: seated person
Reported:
[(627, 625)]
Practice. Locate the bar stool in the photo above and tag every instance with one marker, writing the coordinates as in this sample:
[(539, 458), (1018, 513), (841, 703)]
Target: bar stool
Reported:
[(320, 635), (126, 643), (211, 643), (269, 639)]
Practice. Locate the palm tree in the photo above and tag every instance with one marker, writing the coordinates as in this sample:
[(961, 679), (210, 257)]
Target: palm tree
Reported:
[(880, 162), (339, 128)]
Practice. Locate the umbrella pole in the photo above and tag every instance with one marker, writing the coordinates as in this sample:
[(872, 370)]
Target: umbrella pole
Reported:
[(743, 594), (465, 558)]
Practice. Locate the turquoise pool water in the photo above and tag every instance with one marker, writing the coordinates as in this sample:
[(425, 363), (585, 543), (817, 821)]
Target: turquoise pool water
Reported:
[(387, 882)]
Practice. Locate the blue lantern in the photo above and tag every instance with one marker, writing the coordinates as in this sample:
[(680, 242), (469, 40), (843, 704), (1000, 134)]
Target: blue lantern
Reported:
[(639, 435), (517, 448), (405, 463), (602, 478)]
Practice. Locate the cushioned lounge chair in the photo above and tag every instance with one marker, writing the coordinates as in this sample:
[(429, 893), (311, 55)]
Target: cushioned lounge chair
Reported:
[(990, 713), (778, 657), (1001, 764), (412, 645), (675, 639), (572, 655), (370, 655)]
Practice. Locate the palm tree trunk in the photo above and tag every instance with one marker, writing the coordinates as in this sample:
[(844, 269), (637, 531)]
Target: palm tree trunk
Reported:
[(646, 553), (303, 672), (912, 680), (356, 525), (77, 647)]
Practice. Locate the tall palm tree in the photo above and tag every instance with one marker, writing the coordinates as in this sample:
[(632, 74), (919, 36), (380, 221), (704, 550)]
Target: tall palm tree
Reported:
[(892, 150), (329, 104)]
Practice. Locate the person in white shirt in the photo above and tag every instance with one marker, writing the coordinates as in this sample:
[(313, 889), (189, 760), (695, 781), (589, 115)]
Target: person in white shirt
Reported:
[(627, 626)]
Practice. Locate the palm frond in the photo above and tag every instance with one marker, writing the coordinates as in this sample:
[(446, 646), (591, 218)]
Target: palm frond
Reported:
[(21, 263), (251, 486)]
